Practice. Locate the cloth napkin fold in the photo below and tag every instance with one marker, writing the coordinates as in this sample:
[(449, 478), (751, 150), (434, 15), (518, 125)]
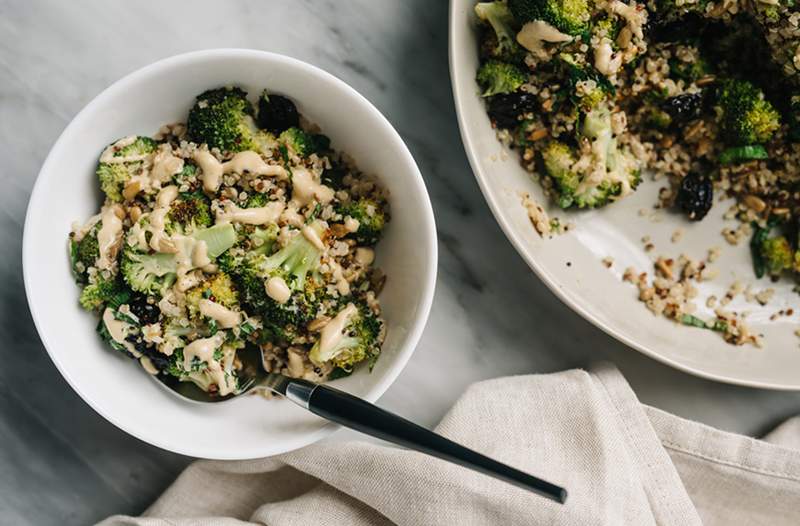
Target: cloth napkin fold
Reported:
[(622, 462)]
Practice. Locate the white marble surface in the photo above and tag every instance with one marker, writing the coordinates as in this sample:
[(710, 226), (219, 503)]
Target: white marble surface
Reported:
[(60, 463)]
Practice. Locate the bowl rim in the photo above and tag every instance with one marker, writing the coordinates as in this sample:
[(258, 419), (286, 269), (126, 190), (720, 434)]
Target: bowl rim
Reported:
[(427, 222), (519, 243)]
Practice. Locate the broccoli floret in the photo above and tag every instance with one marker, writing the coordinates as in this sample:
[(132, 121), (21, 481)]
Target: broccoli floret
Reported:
[(558, 160), (188, 213), (218, 288), (114, 176), (148, 273), (84, 253), (277, 113), (501, 42), (295, 264), (256, 200), (222, 118), (608, 27), (658, 119), (303, 143), (777, 255), (689, 71), (371, 219), (746, 116), (500, 77), (569, 16), (204, 374), (104, 292), (587, 89), (155, 273), (359, 340), (612, 172)]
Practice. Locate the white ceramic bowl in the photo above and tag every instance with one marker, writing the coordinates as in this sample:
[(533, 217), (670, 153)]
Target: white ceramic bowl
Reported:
[(66, 190), (570, 265)]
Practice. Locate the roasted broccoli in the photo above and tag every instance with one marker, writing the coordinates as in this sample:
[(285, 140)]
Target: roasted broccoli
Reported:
[(295, 264), (104, 292), (208, 375), (222, 118), (155, 273), (276, 113), (371, 219), (359, 340), (569, 16), (217, 288), (127, 157), (777, 255), (84, 253), (500, 42), (587, 89), (613, 171), (256, 200), (148, 273), (188, 213), (303, 143), (746, 116), (500, 77)]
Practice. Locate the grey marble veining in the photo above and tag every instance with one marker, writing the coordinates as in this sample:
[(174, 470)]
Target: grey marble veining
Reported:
[(60, 463)]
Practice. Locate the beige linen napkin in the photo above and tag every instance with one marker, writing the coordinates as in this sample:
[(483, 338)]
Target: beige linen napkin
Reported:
[(623, 463)]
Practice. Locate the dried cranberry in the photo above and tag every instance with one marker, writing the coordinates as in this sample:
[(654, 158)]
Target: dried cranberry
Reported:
[(276, 113), (146, 312), (695, 196), (683, 108), (504, 110)]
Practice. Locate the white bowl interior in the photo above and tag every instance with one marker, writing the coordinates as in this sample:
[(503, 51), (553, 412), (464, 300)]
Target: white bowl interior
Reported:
[(66, 191), (571, 264)]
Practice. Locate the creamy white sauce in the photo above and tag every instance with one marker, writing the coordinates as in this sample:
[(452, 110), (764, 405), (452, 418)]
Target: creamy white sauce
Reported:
[(605, 60), (270, 213), (108, 154), (118, 330), (292, 217), (79, 231), (311, 235), (147, 365), (533, 34), (342, 285), (305, 189), (160, 241), (225, 317), (351, 224), (203, 349), (109, 236), (277, 289), (191, 253), (364, 256), (210, 170), (332, 333), (243, 162), (165, 165), (252, 163), (635, 15)]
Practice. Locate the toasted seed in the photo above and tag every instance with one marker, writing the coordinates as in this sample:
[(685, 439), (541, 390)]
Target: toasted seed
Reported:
[(755, 203), (537, 135)]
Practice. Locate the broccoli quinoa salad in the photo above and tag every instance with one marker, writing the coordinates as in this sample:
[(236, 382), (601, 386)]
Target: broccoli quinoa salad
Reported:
[(240, 228), (703, 95)]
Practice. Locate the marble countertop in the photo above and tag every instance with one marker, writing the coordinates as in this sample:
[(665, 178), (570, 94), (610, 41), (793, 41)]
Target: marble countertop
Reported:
[(61, 463)]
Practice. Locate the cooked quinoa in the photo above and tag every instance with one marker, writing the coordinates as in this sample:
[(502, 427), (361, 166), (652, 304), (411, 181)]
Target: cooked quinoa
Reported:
[(240, 229)]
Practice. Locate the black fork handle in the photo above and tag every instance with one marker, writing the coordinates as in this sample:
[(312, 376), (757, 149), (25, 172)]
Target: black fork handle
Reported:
[(360, 415)]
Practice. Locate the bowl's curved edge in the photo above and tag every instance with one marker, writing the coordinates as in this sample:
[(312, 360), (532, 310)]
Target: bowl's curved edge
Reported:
[(547, 279), (429, 280)]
